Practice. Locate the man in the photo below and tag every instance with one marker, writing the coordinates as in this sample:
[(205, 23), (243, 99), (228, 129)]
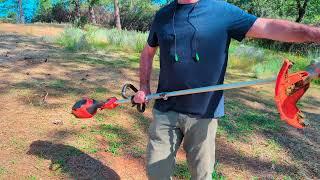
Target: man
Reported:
[(194, 37)]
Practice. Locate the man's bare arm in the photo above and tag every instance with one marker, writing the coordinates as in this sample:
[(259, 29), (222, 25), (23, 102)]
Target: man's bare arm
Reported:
[(285, 31), (146, 60)]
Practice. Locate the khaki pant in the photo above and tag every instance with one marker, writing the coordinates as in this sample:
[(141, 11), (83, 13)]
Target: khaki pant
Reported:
[(166, 133)]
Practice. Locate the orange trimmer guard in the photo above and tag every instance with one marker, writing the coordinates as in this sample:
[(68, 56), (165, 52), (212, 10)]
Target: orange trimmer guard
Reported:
[(289, 89)]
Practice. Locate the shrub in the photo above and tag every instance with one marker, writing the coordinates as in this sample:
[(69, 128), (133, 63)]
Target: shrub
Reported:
[(92, 37), (137, 15), (57, 13)]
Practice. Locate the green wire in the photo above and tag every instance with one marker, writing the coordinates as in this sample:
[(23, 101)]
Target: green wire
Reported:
[(197, 57), (176, 57)]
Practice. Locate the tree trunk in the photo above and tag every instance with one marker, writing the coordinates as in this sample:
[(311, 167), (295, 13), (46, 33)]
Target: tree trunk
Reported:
[(21, 15), (117, 14), (301, 10), (77, 8), (92, 16)]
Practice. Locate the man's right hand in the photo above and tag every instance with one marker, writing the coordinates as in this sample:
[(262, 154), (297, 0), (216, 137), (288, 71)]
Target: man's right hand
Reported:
[(140, 97)]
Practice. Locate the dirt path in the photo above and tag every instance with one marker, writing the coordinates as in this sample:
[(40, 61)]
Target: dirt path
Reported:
[(40, 139)]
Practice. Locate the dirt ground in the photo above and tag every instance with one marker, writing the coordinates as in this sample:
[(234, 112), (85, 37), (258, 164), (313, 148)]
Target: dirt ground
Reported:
[(40, 139)]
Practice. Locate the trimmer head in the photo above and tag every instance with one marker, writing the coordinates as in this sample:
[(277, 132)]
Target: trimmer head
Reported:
[(87, 108), (289, 89)]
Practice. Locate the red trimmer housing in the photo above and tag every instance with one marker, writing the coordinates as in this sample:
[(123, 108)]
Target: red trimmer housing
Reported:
[(87, 108), (289, 89)]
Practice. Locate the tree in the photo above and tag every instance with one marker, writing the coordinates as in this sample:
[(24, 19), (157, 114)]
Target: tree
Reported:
[(76, 8), (92, 16), (301, 8), (21, 15), (93, 3), (117, 14)]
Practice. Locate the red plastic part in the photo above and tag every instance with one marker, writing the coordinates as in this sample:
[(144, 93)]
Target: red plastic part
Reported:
[(289, 89), (110, 104), (82, 112)]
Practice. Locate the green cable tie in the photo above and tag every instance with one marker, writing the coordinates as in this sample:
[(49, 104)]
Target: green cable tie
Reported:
[(197, 57), (176, 57)]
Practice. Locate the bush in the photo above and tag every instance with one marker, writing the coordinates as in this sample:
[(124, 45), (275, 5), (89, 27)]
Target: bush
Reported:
[(266, 63), (92, 37), (137, 15), (72, 39), (57, 13), (81, 22)]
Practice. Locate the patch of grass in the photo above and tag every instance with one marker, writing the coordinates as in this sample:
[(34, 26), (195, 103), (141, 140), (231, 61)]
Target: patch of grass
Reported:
[(142, 121), (287, 178), (182, 171), (3, 170), (84, 126), (216, 175), (19, 144), (265, 62), (117, 137), (57, 87), (137, 152), (74, 121), (72, 38), (32, 177), (241, 122), (115, 62), (99, 118), (92, 38), (114, 147), (59, 165), (87, 143), (57, 84)]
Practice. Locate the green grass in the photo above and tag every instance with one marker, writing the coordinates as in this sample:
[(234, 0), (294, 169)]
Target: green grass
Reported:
[(93, 38), (117, 137), (87, 143), (182, 172), (32, 177), (265, 62), (240, 122), (137, 152), (3, 170), (99, 118)]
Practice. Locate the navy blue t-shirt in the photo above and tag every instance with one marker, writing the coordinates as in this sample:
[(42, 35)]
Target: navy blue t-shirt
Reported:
[(205, 28)]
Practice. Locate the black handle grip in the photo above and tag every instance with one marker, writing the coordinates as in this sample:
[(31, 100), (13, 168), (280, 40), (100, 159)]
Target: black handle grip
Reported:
[(125, 88), (140, 107)]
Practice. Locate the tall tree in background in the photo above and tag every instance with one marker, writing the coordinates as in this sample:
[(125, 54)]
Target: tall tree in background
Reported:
[(93, 3), (20, 12), (301, 8), (117, 14), (77, 8), (92, 16)]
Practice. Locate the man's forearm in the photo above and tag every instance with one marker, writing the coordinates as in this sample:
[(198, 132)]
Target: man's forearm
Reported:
[(285, 31), (146, 60)]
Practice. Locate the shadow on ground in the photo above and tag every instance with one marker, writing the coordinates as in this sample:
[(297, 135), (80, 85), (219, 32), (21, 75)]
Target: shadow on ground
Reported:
[(70, 160)]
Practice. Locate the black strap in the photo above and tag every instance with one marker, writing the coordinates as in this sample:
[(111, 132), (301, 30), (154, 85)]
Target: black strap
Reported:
[(140, 107)]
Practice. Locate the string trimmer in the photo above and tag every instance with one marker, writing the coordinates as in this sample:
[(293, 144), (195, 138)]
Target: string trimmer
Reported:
[(288, 90)]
